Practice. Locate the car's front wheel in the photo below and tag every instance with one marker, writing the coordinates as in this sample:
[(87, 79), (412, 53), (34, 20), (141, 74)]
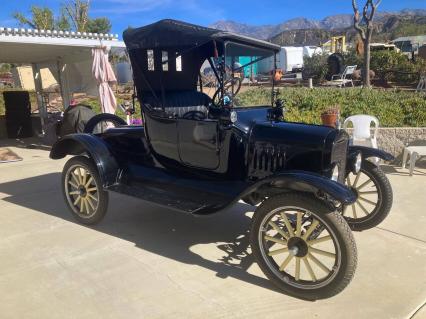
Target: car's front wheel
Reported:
[(82, 190), (374, 197), (302, 246)]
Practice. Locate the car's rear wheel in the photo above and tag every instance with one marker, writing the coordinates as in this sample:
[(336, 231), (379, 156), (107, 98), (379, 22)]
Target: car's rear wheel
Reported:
[(374, 197), (82, 190), (303, 247)]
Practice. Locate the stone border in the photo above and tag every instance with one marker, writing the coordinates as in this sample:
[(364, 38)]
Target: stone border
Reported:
[(393, 139)]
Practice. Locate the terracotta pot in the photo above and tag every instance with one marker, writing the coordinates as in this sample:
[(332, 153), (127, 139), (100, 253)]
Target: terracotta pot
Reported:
[(329, 119)]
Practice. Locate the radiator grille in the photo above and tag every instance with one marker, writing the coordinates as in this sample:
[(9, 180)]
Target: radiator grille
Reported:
[(339, 154)]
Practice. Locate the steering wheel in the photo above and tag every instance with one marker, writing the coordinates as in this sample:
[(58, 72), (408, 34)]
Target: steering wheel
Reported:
[(235, 83), (194, 115)]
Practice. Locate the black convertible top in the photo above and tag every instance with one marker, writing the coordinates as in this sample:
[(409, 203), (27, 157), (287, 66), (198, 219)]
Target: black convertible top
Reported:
[(154, 51), (170, 33)]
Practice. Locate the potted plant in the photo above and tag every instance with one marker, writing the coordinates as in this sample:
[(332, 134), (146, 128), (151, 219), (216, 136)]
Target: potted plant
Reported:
[(330, 116)]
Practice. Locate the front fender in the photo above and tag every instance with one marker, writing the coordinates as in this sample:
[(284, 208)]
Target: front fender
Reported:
[(367, 152), (95, 147), (306, 182)]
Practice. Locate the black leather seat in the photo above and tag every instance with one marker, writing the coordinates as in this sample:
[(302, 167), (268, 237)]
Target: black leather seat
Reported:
[(180, 102)]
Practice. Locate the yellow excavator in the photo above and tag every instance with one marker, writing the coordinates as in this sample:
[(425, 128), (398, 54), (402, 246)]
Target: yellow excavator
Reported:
[(336, 44), (336, 47)]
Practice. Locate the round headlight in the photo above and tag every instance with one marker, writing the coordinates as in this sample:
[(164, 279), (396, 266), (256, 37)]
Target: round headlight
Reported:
[(234, 116), (358, 162), (335, 174)]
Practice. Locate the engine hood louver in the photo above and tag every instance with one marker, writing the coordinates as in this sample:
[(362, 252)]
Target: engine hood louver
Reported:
[(267, 158)]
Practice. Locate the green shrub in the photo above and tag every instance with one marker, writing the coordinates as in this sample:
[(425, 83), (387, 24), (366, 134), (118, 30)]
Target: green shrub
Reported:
[(316, 67), (382, 62), (351, 58), (393, 108)]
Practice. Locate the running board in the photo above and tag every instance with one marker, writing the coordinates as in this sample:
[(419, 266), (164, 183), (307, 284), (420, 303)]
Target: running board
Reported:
[(194, 196)]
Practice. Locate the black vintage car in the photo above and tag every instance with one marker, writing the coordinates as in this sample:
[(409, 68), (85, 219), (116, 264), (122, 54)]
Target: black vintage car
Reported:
[(201, 154)]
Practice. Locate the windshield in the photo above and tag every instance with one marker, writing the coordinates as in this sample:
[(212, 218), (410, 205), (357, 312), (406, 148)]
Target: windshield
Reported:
[(243, 68), (250, 65)]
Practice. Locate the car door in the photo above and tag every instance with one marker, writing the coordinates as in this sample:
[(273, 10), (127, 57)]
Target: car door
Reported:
[(198, 143), (163, 135)]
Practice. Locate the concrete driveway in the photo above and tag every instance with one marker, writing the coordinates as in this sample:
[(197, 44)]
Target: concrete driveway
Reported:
[(146, 262)]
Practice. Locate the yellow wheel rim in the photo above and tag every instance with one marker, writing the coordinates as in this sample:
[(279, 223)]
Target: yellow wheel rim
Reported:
[(299, 248), (82, 191)]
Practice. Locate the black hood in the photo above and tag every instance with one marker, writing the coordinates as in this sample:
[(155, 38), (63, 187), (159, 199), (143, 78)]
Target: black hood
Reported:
[(254, 121), (303, 135), (297, 145)]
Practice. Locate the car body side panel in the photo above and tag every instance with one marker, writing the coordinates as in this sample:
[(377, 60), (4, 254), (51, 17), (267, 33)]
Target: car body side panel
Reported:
[(204, 196)]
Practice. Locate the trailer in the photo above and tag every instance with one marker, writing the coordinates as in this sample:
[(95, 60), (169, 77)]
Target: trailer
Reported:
[(289, 59)]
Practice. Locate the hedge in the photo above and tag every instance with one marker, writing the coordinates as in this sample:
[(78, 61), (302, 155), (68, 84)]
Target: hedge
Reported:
[(393, 108)]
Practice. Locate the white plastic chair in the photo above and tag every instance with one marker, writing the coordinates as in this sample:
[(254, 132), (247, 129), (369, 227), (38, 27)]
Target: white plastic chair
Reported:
[(361, 134), (342, 79), (414, 152)]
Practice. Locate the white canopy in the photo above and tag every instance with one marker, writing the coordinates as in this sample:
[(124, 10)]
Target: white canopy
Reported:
[(68, 55)]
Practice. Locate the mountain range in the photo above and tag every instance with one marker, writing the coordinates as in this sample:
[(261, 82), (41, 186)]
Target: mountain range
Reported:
[(330, 25)]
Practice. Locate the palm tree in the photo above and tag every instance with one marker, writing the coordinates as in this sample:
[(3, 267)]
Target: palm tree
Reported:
[(41, 18)]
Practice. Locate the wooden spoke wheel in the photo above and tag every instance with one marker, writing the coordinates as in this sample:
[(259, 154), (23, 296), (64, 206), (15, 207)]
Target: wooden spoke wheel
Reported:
[(374, 197), (83, 191), (302, 247)]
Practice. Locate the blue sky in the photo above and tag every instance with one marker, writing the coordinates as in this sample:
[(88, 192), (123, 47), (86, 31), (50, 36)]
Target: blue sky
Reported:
[(124, 13)]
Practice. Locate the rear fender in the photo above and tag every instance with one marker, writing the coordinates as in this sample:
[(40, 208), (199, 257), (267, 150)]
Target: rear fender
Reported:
[(95, 147), (305, 182)]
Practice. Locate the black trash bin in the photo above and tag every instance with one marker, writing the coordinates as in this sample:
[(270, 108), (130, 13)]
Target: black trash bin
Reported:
[(18, 114)]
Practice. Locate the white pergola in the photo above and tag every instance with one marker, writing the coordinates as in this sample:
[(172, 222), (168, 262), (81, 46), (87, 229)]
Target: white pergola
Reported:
[(68, 56)]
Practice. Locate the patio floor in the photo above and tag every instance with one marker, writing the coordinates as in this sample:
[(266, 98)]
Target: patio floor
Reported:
[(144, 261)]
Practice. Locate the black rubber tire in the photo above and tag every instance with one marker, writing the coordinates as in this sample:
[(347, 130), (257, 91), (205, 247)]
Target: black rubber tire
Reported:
[(385, 195), (333, 221), (103, 197), (104, 117)]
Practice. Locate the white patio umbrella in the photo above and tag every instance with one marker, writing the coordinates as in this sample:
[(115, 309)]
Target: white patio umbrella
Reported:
[(103, 73)]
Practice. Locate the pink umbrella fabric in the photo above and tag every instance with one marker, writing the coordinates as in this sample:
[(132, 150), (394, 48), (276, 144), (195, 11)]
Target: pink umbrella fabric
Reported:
[(103, 73)]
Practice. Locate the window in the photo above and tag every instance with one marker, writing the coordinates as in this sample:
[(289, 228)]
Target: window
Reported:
[(150, 56), (165, 60), (178, 63)]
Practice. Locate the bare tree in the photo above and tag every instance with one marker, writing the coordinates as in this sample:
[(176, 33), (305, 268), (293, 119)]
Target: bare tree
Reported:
[(364, 25), (78, 13)]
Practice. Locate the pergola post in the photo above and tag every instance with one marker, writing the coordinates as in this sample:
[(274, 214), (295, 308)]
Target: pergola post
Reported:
[(63, 83), (39, 91)]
